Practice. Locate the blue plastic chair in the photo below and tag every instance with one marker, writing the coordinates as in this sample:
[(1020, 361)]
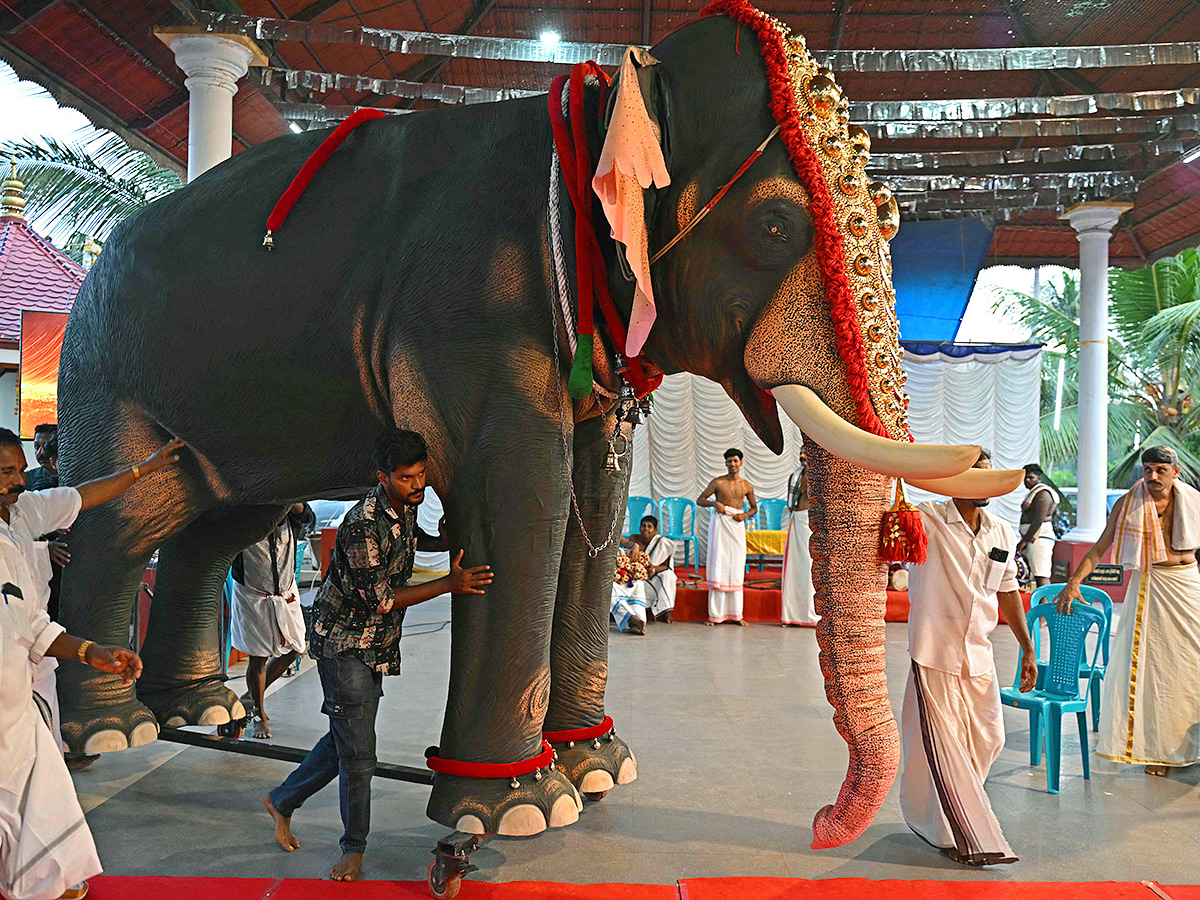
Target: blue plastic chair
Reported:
[(1093, 671), (770, 514), (639, 508), (1057, 691), (768, 518), (674, 520)]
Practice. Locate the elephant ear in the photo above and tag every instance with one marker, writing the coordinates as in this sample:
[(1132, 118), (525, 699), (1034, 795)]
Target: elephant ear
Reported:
[(630, 162)]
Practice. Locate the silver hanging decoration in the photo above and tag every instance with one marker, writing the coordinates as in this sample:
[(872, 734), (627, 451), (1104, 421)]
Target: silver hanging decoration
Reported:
[(568, 52), (324, 82), (1002, 128)]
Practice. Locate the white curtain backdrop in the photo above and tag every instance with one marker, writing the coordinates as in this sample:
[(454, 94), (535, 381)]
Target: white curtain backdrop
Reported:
[(988, 399)]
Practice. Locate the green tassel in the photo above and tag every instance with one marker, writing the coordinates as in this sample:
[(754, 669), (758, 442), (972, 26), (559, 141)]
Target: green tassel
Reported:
[(579, 385)]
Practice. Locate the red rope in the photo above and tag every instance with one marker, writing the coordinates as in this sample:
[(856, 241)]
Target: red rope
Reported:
[(491, 770), (313, 165), (570, 142), (828, 238), (579, 734)]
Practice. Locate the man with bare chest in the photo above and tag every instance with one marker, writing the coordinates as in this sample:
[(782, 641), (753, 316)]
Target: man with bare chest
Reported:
[(1150, 708), (726, 567)]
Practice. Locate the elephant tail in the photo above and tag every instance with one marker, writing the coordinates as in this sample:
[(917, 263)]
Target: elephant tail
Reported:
[(848, 506)]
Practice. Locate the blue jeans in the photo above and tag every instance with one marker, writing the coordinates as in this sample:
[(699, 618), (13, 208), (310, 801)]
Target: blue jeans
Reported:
[(352, 691)]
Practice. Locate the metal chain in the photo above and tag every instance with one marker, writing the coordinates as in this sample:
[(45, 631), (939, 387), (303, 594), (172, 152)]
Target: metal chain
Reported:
[(556, 237)]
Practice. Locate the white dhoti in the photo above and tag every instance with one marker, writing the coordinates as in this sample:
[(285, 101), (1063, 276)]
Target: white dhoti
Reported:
[(628, 602), (798, 594), (726, 568), (1150, 706), (45, 844), (266, 625), (660, 589), (45, 685), (952, 731), (1041, 551)]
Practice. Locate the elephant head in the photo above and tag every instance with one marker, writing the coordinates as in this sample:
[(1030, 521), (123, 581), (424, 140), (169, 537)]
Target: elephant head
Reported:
[(783, 295)]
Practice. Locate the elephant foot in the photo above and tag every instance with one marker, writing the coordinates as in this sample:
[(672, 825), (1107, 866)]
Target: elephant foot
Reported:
[(209, 703), (87, 732), (494, 806), (595, 766)]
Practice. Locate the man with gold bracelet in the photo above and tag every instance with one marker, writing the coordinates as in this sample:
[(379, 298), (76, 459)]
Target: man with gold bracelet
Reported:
[(27, 515)]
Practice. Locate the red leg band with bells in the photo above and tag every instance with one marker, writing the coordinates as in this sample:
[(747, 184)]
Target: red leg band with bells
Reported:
[(490, 770), (580, 734)]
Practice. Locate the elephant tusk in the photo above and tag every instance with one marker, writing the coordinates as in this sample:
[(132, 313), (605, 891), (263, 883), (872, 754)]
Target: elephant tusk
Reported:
[(973, 484), (866, 450)]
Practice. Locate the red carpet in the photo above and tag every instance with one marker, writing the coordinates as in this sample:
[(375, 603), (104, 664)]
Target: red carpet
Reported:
[(865, 889), (765, 603), (117, 887), (114, 887)]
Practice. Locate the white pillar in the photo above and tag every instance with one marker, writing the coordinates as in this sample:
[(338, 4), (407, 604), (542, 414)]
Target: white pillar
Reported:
[(213, 66), (1093, 223)]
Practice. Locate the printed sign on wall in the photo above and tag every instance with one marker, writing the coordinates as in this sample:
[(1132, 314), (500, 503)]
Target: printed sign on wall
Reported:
[(41, 344)]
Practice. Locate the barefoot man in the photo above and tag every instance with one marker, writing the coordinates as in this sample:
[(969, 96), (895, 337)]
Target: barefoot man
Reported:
[(726, 567), (355, 639), (1150, 708)]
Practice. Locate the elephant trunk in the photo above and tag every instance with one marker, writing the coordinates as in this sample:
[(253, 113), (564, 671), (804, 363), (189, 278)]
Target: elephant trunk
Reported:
[(847, 508)]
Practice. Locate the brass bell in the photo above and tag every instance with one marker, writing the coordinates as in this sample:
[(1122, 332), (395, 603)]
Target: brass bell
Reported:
[(879, 192), (610, 459)]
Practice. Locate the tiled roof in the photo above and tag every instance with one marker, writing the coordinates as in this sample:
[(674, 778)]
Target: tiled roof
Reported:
[(34, 274)]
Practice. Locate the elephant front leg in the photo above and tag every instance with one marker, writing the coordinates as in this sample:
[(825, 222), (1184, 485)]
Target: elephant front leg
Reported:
[(507, 508), (579, 643)]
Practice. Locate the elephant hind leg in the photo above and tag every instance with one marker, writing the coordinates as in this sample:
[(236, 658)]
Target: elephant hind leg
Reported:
[(183, 683)]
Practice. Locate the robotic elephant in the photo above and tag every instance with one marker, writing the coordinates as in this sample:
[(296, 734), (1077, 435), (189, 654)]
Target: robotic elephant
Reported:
[(415, 284)]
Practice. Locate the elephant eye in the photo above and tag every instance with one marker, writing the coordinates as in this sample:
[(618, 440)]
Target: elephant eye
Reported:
[(775, 228)]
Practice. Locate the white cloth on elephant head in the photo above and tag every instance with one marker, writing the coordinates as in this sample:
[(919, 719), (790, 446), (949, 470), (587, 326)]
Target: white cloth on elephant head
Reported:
[(799, 607), (660, 588), (45, 844), (1150, 707), (27, 560), (726, 567), (267, 620), (952, 730), (628, 602)]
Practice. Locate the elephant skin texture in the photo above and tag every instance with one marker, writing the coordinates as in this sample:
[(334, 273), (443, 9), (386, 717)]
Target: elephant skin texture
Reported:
[(412, 285)]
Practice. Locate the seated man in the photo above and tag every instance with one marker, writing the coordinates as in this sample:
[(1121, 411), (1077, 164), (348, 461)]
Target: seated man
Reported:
[(629, 590), (268, 625), (660, 570), (46, 849)]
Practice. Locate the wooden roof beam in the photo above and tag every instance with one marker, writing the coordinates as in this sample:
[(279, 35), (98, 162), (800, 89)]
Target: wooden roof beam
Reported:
[(13, 20)]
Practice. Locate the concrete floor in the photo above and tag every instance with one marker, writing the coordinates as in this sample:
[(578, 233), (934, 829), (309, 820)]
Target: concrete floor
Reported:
[(736, 752)]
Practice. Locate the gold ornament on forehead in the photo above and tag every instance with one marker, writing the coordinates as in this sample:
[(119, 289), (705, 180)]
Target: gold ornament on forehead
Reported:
[(868, 217)]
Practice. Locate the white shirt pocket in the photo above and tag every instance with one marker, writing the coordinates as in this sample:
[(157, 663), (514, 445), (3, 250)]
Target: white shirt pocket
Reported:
[(994, 574)]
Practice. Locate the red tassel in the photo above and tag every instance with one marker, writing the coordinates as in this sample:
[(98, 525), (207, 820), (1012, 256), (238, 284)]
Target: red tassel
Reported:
[(310, 168), (902, 537)]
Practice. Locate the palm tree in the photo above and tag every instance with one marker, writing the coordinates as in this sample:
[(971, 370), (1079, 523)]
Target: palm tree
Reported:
[(1153, 371), (87, 186)]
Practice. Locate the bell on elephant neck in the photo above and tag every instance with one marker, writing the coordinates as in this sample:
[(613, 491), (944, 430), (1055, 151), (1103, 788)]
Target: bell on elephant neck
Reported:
[(610, 460)]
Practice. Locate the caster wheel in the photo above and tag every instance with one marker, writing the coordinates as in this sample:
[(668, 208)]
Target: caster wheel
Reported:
[(442, 885), (232, 729), (596, 795)]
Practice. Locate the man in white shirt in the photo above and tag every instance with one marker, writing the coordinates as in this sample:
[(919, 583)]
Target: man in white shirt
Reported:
[(27, 515), (952, 726)]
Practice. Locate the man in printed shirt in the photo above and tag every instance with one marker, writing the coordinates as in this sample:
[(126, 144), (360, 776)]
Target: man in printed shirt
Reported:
[(355, 638), (952, 727)]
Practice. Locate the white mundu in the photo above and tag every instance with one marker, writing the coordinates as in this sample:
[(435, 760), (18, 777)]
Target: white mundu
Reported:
[(1150, 705), (267, 620), (799, 607), (660, 589), (726, 567), (952, 727), (36, 513), (628, 603), (1041, 550), (45, 845)]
